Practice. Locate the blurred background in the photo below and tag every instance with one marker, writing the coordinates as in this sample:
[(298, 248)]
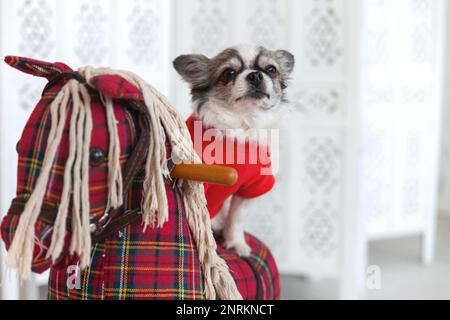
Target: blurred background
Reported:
[(361, 208)]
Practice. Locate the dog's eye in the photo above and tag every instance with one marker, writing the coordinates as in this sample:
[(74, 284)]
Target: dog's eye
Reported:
[(228, 75), (270, 69)]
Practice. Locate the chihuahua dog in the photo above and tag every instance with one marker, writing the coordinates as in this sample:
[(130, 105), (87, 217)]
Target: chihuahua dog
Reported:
[(242, 89)]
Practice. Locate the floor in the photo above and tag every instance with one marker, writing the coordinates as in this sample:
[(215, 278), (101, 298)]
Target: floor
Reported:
[(403, 276)]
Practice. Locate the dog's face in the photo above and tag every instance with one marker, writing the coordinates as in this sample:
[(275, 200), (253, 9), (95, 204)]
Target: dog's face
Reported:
[(241, 82)]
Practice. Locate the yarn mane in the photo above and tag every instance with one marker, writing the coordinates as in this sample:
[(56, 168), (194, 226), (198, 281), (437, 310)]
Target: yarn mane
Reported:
[(165, 124)]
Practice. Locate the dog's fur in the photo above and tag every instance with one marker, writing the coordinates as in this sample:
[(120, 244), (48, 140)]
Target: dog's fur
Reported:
[(243, 87)]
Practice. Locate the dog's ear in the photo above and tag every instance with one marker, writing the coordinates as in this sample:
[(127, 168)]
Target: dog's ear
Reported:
[(286, 61), (193, 68)]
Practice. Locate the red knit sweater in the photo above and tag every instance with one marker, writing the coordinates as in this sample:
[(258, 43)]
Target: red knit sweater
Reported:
[(255, 176)]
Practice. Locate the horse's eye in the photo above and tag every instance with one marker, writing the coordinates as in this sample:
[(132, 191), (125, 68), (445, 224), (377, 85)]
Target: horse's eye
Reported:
[(228, 75), (96, 156), (271, 70)]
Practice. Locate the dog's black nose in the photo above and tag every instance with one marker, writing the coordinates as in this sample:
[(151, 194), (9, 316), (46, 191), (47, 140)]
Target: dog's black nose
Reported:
[(255, 78)]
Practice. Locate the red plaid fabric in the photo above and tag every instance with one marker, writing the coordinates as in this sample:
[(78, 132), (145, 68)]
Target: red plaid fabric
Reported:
[(36, 67), (116, 87), (135, 266), (133, 263), (257, 276)]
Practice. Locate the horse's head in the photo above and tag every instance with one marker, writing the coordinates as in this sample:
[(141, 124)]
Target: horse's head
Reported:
[(66, 166)]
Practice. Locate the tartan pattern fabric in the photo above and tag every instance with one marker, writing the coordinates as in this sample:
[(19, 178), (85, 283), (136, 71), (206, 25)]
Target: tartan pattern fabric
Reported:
[(136, 264), (158, 263), (118, 270), (116, 87), (257, 276), (36, 67)]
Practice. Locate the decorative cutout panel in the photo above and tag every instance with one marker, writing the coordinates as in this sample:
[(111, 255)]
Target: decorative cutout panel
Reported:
[(324, 36), (144, 25), (209, 23), (35, 31), (317, 234), (87, 27), (91, 26), (320, 183), (144, 38), (267, 23), (29, 94), (317, 102)]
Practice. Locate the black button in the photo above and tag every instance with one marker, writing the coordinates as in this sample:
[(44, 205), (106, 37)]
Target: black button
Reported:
[(96, 156)]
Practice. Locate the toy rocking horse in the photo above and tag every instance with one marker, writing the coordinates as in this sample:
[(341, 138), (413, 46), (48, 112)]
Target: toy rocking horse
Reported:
[(109, 185)]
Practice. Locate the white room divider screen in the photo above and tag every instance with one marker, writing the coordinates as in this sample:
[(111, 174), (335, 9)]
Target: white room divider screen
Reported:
[(313, 219), (444, 196), (401, 90)]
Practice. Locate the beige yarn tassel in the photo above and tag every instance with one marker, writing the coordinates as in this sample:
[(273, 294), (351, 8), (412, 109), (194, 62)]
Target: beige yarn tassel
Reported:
[(155, 200), (77, 165), (59, 229), (77, 237), (85, 204), (20, 253), (114, 169)]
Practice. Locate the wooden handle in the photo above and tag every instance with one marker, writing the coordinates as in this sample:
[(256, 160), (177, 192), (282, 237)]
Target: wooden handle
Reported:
[(206, 173)]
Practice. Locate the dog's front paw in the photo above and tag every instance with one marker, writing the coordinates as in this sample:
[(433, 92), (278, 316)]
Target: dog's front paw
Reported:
[(241, 248)]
